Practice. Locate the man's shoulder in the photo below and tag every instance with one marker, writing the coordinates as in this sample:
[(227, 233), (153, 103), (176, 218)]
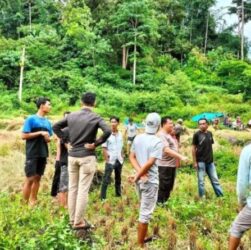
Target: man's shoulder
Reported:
[(31, 117), (247, 149), (80, 113), (197, 132)]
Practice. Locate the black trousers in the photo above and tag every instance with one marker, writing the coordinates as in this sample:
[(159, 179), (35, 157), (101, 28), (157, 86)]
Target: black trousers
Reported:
[(166, 182), (56, 178), (117, 167)]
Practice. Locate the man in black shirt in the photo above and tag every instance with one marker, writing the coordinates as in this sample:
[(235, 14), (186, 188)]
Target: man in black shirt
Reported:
[(202, 152), (63, 160), (36, 131), (83, 126)]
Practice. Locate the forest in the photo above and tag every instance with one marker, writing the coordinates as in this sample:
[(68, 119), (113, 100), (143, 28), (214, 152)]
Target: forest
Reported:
[(175, 57)]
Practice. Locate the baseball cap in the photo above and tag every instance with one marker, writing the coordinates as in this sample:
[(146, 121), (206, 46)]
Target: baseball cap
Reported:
[(152, 123)]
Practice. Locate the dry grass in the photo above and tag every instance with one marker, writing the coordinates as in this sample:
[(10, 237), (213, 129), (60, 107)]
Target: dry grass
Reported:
[(116, 219)]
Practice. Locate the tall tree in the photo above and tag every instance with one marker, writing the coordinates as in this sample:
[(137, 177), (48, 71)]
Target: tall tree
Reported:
[(135, 25), (242, 8)]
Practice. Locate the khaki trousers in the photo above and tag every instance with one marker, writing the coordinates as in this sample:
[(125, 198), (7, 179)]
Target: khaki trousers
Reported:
[(81, 172)]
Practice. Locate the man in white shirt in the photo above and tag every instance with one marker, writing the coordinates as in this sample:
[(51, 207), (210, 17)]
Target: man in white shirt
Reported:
[(130, 133), (113, 155)]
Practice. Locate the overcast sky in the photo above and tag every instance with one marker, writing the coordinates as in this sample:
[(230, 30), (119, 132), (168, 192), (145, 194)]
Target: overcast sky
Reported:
[(221, 7)]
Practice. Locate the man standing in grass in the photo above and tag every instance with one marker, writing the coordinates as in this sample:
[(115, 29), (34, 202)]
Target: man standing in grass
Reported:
[(130, 133), (167, 165), (113, 155), (146, 148), (83, 126), (202, 152), (243, 221), (36, 131)]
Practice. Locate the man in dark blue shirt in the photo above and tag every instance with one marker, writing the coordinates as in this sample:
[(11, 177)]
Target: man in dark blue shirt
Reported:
[(36, 131)]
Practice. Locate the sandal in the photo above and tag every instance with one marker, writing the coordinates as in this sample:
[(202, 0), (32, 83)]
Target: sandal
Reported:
[(86, 226), (150, 238)]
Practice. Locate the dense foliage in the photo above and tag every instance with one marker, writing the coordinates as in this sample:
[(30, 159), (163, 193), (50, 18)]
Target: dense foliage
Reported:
[(138, 56)]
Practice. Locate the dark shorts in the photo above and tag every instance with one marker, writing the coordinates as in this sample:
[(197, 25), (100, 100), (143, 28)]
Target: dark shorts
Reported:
[(35, 166), (130, 139), (64, 179)]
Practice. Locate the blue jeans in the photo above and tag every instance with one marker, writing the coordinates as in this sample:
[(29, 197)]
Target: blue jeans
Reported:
[(210, 170)]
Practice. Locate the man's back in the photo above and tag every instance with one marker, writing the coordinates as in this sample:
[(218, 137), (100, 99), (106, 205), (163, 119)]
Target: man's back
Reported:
[(83, 127), (146, 146)]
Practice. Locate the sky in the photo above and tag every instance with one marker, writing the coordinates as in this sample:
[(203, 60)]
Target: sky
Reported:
[(221, 9)]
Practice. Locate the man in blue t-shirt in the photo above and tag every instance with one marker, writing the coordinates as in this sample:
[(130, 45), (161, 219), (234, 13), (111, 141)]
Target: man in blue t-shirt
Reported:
[(36, 131)]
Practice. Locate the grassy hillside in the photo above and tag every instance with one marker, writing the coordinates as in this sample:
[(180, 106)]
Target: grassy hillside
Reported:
[(185, 222)]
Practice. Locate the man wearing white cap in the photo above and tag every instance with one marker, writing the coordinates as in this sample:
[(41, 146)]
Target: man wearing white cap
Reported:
[(146, 149)]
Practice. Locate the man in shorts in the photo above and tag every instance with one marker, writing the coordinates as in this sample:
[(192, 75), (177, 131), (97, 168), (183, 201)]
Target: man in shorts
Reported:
[(243, 221), (56, 177), (146, 149), (36, 131), (130, 132), (63, 161)]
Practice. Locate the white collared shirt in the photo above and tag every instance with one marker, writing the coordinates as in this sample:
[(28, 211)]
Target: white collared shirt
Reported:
[(114, 145)]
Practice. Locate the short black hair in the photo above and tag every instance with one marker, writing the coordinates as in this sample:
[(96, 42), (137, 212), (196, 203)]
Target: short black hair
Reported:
[(130, 120), (41, 101), (115, 118), (203, 119), (88, 98), (164, 120), (66, 113)]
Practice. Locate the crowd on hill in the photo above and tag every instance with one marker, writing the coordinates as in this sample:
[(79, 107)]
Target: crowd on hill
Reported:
[(153, 154)]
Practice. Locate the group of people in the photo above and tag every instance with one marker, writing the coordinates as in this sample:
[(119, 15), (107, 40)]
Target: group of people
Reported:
[(235, 124), (154, 156)]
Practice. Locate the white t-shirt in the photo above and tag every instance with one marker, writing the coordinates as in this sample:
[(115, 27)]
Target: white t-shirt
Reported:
[(131, 130), (147, 146), (114, 145)]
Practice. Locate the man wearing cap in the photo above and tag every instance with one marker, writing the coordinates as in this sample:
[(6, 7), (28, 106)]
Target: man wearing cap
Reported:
[(146, 149), (167, 164)]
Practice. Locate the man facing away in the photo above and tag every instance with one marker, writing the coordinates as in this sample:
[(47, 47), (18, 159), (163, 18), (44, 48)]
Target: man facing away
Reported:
[(82, 126), (167, 165), (202, 152), (243, 221), (113, 155), (36, 131), (146, 148)]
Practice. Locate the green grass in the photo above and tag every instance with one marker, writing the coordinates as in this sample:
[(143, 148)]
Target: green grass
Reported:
[(185, 222)]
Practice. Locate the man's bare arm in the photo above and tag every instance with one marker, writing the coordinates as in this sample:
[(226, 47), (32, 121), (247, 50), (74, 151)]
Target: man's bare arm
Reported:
[(194, 156), (134, 162), (105, 154), (28, 136)]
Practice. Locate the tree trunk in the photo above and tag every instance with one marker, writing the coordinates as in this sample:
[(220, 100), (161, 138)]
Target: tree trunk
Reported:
[(134, 58), (21, 75), (124, 57), (30, 15), (206, 34), (191, 31), (242, 30)]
